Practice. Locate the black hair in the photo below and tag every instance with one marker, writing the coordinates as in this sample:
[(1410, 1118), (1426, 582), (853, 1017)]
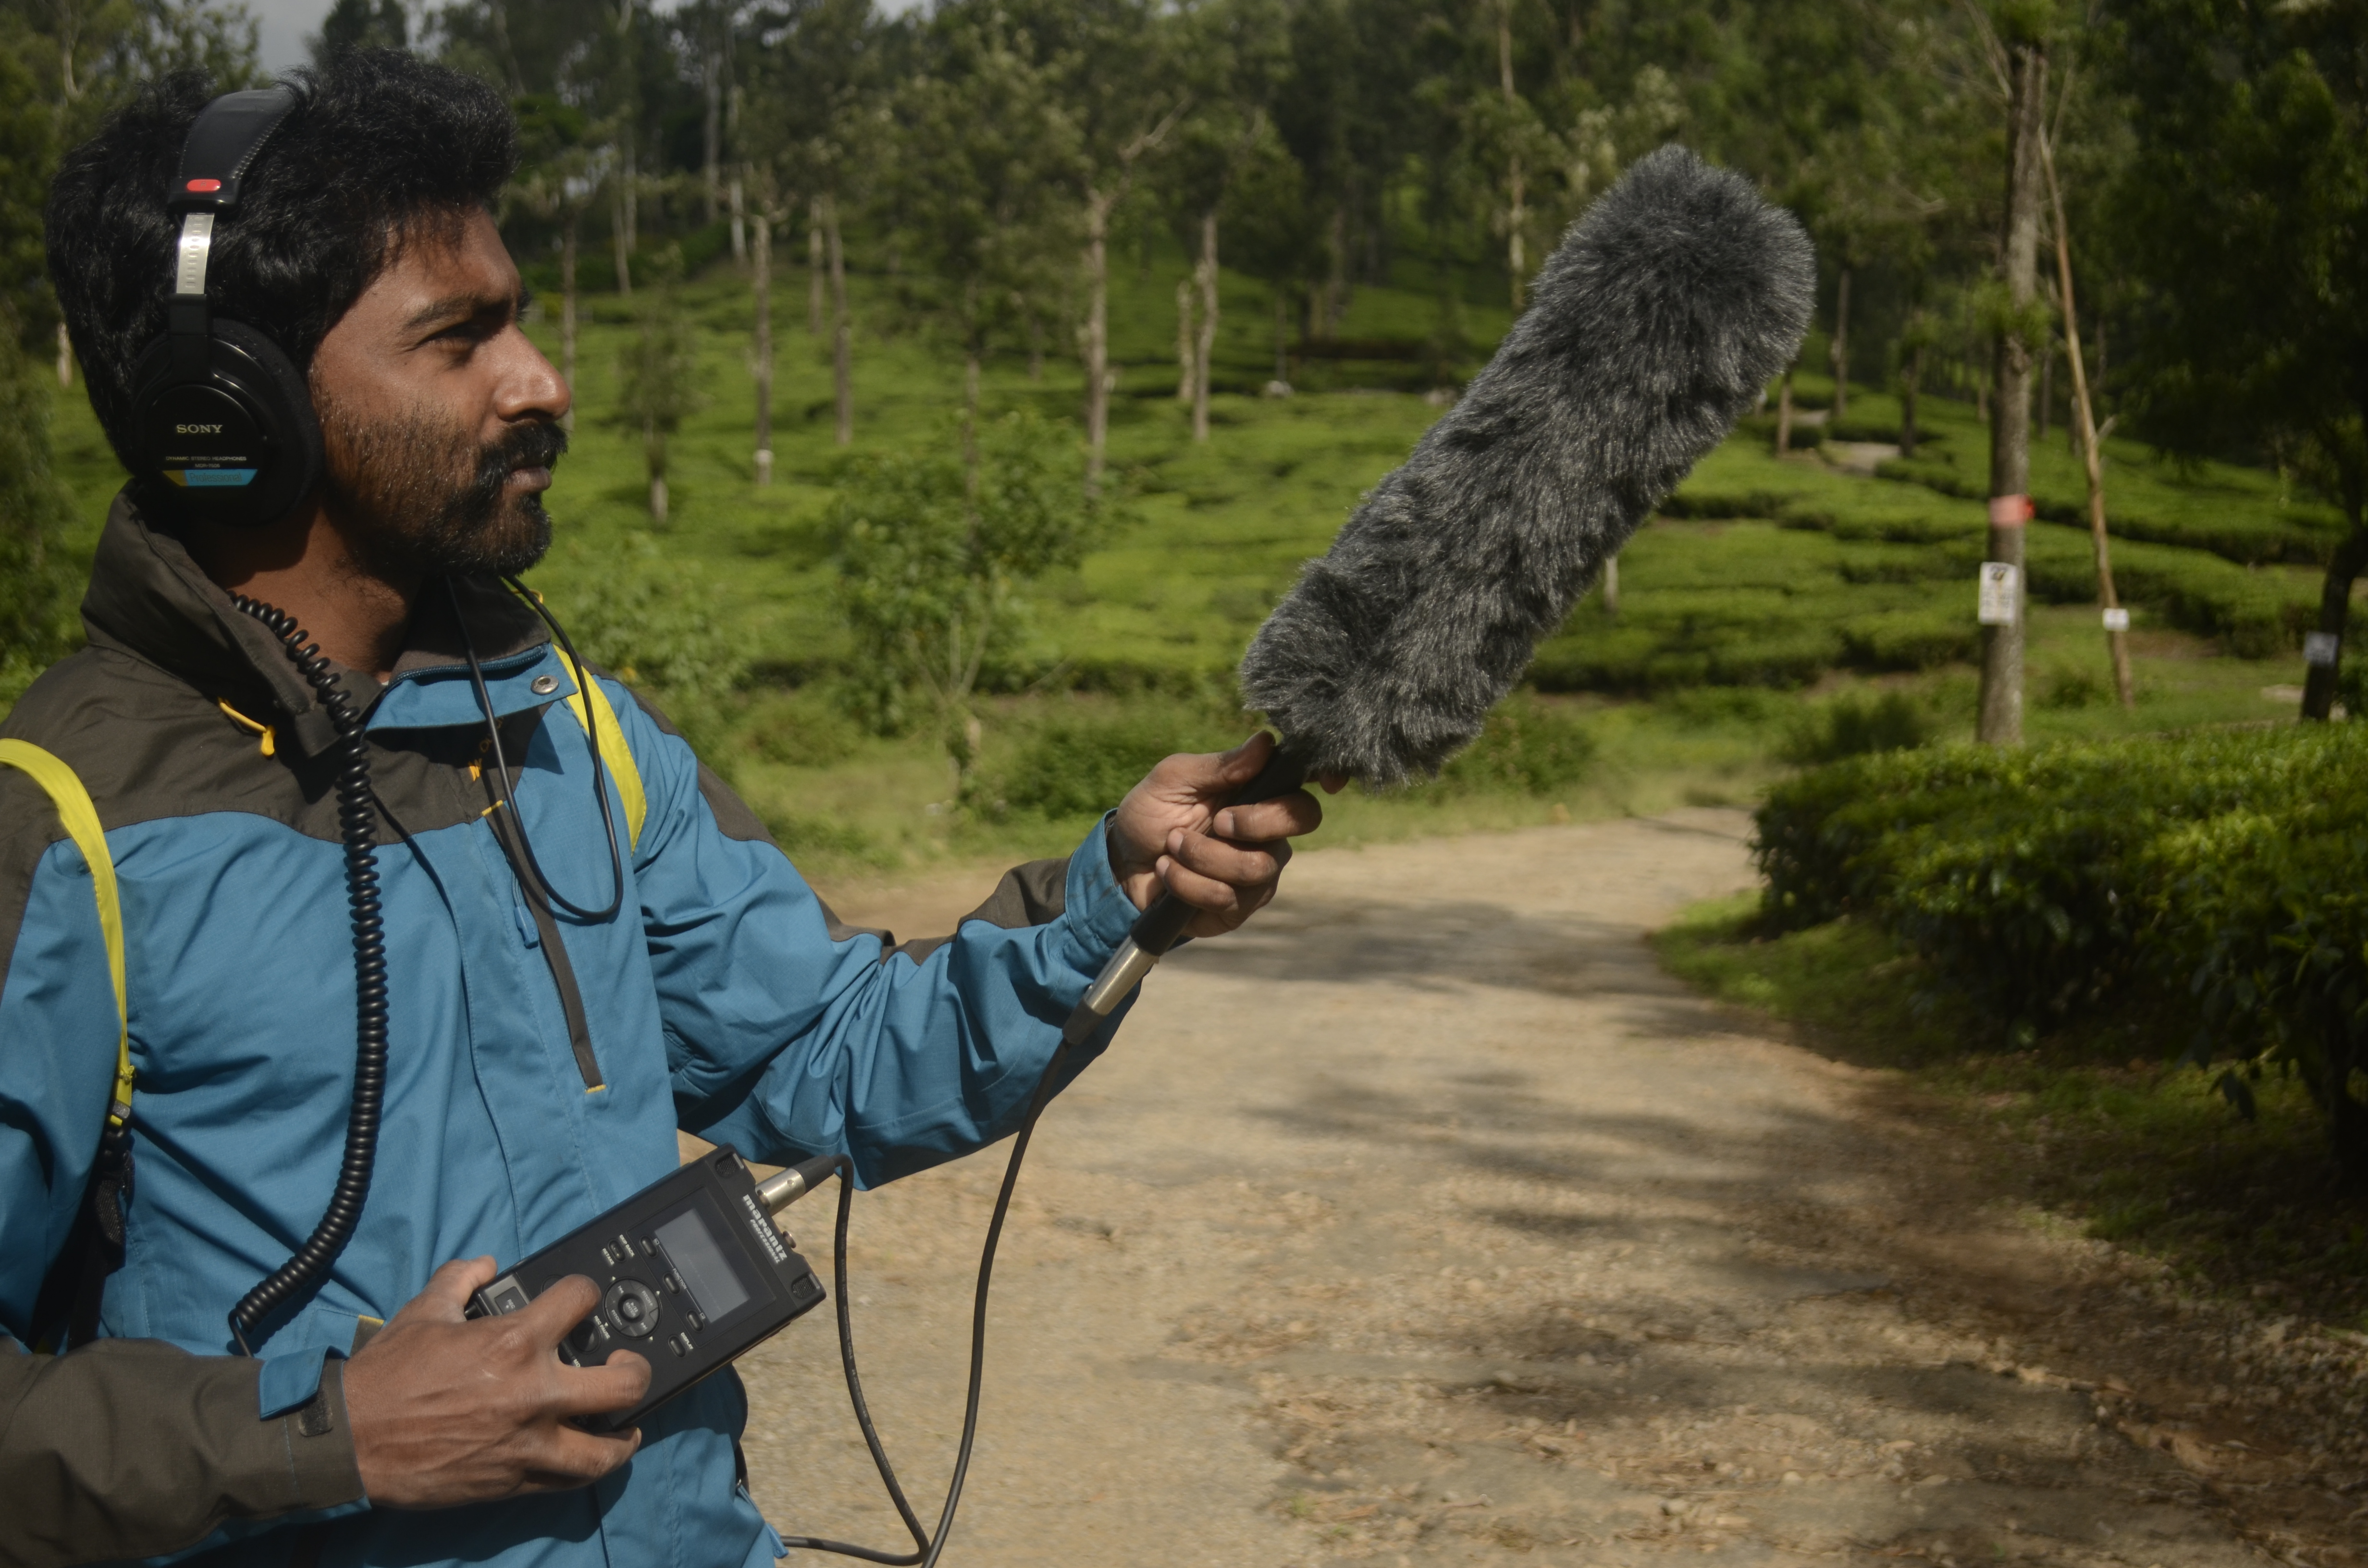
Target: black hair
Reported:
[(382, 146)]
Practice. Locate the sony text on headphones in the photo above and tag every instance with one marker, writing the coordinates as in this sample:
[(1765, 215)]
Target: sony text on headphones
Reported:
[(224, 419)]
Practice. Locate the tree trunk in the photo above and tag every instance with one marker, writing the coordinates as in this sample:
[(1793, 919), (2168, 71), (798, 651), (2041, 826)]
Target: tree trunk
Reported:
[(842, 338), (567, 309), (1838, 351), (654, 458), (633, 197), (1098, 211), (2334, 613), (2000, 721), (65, 356), (762, 281), (1186, 377), (1336, 279), (1611, 587), (620, 238), (1911, 374), (814, 267), (712, 67), (2046, 390), (1784, 415), (1205, 348), (2091, 439), (1281, 337), (739, 220), (1516, 216), (971, 349)]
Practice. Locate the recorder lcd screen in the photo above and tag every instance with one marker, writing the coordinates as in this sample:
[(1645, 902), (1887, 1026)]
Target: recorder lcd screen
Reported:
[(714, 1285)]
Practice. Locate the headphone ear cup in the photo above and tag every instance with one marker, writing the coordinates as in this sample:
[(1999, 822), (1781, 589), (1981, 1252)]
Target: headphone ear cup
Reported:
[(238, 444)]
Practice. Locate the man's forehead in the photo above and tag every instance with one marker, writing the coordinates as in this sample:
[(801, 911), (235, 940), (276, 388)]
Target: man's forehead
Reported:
[(437, 268)]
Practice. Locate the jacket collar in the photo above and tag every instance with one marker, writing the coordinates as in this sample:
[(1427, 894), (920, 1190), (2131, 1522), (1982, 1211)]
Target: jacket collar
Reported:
[(148, 599)]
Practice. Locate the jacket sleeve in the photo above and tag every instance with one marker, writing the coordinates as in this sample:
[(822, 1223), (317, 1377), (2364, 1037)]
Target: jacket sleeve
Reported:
[(129, 1448), (123, 1448), (790, 1034)]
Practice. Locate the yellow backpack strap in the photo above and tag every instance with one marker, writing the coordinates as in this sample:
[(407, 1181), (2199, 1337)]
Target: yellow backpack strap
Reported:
[(614, 752), (81, 819)]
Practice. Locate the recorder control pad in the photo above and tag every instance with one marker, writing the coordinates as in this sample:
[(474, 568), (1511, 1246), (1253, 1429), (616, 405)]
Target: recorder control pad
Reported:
[(693, 1273)]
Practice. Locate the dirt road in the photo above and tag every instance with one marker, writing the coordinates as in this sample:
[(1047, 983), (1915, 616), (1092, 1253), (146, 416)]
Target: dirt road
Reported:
[(1429, 1222)]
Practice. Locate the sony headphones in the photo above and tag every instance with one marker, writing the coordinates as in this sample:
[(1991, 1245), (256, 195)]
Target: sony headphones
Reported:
[(222, 418)]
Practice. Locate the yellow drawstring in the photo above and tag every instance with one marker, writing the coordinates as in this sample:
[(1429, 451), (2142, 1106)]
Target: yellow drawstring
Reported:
[(271, 742)]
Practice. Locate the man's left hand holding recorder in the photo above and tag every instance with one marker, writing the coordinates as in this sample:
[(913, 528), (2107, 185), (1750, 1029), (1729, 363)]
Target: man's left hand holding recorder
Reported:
[(579, 958)]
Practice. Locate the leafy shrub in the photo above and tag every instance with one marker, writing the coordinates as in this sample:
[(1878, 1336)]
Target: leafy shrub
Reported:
[(38, 578), (1526, 745), (2038, 884), (2070, 687), (1848, 726), (799, 730), (650, 620), (1074, 768)]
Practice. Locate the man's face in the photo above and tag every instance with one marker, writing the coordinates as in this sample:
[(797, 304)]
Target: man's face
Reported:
[(440, 419)]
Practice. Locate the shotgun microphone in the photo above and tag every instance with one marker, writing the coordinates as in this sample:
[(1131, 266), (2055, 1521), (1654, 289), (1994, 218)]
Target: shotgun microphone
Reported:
[(1665, 309)]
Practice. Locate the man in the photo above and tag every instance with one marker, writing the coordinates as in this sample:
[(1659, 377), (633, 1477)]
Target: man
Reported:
[(540, 1061)]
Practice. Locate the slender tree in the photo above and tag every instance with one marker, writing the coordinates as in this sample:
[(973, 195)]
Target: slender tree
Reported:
[(2243, 222), (980, 160), (1113, 66), (2021, 64), (658, 374), (815, 119)]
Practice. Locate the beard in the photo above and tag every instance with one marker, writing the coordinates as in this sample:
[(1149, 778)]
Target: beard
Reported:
[(420, 497)]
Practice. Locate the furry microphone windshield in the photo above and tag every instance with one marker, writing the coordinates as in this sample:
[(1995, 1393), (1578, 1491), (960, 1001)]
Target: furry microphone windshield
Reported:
[(1666, 310)]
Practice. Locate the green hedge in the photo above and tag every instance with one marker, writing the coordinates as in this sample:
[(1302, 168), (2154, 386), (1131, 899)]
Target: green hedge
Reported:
[(2229, 868)]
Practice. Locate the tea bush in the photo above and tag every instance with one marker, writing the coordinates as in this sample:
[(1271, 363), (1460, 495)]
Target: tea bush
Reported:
[(1075, 767), (2042, 883), (1851, 727), (1526, 745)]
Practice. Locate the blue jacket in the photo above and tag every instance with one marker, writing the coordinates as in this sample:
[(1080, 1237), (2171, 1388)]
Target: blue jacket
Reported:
[(540, 1065)]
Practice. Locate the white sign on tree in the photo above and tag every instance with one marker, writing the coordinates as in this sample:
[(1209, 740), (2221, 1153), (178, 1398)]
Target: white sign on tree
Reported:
[(2001, 594)]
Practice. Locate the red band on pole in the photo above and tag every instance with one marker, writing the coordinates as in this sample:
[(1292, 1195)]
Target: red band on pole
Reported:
[(2010, 511)]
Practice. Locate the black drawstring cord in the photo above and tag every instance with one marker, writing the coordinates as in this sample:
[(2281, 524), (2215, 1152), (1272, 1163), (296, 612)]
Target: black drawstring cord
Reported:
[(533, 868), (358, 831)]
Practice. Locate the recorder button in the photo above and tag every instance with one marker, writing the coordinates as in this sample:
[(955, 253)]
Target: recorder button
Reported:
[(634, 1307)]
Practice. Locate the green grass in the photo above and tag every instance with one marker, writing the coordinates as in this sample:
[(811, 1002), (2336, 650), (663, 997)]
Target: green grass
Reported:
[(1772, 587), (2094, 1125)]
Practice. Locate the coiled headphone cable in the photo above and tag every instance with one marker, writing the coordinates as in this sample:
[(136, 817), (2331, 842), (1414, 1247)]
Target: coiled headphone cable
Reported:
[(358, 830)]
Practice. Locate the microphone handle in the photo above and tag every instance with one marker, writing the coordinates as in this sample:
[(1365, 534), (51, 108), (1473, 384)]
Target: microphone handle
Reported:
[(1158, 928)]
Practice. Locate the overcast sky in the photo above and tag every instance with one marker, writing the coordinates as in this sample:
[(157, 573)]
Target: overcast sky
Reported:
[(287, 23)]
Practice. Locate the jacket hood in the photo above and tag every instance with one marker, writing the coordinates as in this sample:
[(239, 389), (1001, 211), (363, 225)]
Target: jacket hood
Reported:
[(149, 600)]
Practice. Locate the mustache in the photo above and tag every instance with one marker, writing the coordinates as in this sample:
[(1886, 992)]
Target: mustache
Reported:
[(528, 446)]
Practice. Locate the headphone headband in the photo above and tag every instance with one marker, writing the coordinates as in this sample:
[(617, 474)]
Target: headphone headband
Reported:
[(222, 147)]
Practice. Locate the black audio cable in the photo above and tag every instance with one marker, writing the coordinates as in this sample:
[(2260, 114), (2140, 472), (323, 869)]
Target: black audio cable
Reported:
[(358, 830), (928, 1548), (526, 865), (1154, 932)]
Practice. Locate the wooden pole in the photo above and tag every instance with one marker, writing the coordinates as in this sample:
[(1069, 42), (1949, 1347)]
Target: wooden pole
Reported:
[(2084, 415)]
